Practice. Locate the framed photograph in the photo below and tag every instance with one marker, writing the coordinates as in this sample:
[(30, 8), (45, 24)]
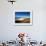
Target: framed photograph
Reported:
[(23, 18)]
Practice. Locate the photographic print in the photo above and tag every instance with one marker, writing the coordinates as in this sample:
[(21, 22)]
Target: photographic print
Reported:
[(23, 18)]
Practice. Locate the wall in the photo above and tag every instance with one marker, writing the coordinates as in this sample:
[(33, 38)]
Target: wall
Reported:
[(9, 31)]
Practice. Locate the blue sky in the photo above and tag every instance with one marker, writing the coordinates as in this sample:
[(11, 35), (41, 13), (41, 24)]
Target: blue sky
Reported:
[(22, 14)]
